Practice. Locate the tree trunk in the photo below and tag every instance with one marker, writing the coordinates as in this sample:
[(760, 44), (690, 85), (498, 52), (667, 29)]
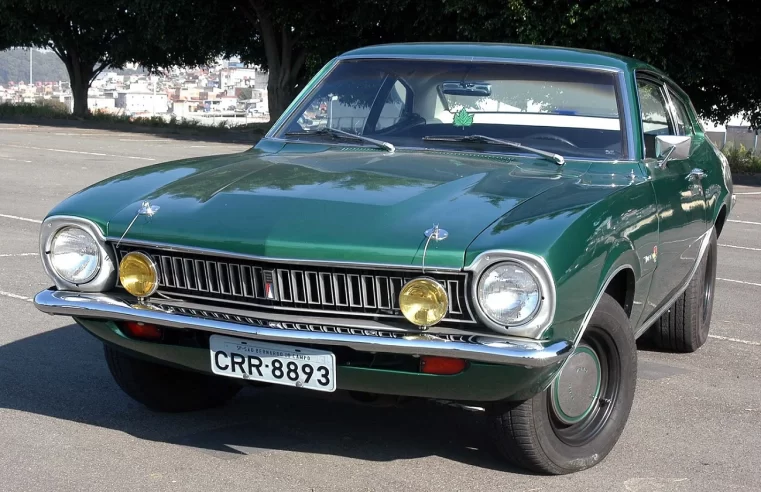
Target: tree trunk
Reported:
[(280, 93), (79, 91), (285, 56), (80, 76)]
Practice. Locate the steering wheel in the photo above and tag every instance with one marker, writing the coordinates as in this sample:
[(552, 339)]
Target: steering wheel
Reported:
[(550, 136)]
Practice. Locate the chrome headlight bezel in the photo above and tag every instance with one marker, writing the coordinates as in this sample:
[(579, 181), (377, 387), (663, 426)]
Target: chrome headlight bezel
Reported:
[(105, 277), (542, 317)]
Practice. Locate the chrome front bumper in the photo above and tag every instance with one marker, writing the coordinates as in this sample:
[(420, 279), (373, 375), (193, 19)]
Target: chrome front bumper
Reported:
[(527, 353)]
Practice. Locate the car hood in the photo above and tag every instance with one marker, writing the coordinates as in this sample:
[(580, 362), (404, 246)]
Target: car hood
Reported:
[(334, 205)]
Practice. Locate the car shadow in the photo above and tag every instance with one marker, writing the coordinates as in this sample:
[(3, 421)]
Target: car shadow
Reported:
[(62, 374)]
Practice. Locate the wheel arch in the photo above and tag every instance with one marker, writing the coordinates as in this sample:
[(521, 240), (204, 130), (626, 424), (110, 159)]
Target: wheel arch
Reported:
[(721, 218)]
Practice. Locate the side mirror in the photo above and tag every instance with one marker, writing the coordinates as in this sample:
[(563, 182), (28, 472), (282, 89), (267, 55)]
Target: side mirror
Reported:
[(668, 147)]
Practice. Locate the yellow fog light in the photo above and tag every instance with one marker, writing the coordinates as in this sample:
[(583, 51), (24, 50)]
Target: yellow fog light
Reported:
[(423, 301), (138, 274)]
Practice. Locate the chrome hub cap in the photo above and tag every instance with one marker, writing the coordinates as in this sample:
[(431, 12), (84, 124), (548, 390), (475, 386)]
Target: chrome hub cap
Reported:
[(576, 390)]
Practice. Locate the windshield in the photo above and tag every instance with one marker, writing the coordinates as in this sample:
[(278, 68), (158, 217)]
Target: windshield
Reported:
[(564, 110)]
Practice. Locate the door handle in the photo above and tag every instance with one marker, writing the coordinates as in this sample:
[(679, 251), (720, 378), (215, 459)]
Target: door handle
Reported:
[(696, 174)]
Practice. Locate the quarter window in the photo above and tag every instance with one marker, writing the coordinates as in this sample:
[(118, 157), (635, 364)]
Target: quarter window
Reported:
[(654, 112), (683, 123)]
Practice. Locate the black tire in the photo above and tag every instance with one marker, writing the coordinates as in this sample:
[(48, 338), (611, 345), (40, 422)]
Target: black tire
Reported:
[(532, 435), (166, 389), (684, 327)]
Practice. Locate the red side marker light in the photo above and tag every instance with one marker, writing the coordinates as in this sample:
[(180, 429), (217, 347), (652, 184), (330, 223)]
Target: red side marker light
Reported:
[(441, 365), (145, 331)]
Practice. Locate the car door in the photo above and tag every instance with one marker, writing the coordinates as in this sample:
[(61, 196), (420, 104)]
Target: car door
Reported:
[(678, 191)]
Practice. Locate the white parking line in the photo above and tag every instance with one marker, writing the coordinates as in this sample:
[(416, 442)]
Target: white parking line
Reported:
[(736, 340), (15, 255), (15, 296), (15, 217), (100, 154), (14, 160), (738, 281), (749, 193), (744, 222), (740, 247)]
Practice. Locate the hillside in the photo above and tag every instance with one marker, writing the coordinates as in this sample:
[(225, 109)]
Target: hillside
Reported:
[(47, 67)]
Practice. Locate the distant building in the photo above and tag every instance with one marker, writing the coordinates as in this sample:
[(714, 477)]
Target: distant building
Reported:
[(138, 99)]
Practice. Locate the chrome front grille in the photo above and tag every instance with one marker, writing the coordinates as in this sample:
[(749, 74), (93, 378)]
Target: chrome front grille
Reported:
[(361, 291)]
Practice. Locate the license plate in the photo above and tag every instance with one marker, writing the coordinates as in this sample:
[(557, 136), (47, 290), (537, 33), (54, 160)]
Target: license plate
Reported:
[(273, 363)]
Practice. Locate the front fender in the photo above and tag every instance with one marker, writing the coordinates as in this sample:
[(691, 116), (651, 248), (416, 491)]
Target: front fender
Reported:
[(585, 232)]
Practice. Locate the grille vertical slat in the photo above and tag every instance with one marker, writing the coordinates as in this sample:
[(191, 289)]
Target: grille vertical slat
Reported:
[(166, 267), (357, 291), (188, 273), (235, 283), (211, 277), (201, 278), (313, 288), (384, 292), (326, 289)]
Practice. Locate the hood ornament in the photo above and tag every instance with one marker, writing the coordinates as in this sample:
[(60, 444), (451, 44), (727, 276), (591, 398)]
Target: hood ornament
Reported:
[(145, 209), (434, 233)]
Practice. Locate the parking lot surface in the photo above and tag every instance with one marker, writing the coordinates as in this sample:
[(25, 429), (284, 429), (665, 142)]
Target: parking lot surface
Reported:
[(65, 425)]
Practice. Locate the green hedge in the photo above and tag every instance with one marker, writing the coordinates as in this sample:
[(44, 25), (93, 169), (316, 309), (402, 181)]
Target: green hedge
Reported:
[(742, 160), (59, 111)]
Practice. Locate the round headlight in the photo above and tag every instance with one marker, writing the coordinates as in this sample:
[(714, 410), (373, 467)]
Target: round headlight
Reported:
[(423, 301), (138, 274), (509, 294), (74, 255)]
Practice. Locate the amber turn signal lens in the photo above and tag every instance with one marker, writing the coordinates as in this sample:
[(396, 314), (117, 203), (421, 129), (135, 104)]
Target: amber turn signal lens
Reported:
[(138, 274), (441, 365), (423, 301), (142, 330)]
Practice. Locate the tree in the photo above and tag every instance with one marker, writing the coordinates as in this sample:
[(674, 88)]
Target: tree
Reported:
[(90, 36), (708, 46)]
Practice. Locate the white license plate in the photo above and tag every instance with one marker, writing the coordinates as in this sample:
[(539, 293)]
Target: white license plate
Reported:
[(273, 363)]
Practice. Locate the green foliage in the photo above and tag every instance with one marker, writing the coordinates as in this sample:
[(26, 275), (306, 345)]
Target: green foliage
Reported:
[(742, 160), (49, 110)]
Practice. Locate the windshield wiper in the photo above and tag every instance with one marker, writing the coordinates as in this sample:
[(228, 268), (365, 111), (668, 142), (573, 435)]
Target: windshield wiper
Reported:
[(342, 134), (556, 158)]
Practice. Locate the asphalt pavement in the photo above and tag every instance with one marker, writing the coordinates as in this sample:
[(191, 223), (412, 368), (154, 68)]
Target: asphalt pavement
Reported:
[(65, 425)]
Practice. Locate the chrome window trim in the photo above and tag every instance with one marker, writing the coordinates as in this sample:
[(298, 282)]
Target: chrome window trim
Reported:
[(291, 261), (542, 319), (104, 279), (626, 117)]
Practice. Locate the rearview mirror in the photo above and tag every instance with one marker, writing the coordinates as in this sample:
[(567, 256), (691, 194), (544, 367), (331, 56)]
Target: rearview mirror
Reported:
[(462, 88), (668, 147)]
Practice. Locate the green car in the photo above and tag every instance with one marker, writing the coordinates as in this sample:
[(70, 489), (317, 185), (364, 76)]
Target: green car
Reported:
[(488, 225)]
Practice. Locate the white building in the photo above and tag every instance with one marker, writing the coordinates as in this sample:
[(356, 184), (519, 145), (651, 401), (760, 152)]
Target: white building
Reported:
[(142, 101)]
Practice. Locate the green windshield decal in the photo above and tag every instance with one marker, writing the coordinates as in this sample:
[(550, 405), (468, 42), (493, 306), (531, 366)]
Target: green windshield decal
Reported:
[(463, 118)]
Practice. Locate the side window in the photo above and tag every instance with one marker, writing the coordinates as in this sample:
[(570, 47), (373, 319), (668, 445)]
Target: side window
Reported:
[(683, 122), (393, 107), (656, 119)]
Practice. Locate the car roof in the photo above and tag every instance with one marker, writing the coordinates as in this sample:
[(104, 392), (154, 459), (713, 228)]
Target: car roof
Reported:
[(545, 54)]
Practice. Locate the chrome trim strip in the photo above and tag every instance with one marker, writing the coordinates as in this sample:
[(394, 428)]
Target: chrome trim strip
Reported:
[(105, 278), (511, 153), (654, 317), (482, 59), (479, 348), (591, 311), (535, 327), (291, 261)]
